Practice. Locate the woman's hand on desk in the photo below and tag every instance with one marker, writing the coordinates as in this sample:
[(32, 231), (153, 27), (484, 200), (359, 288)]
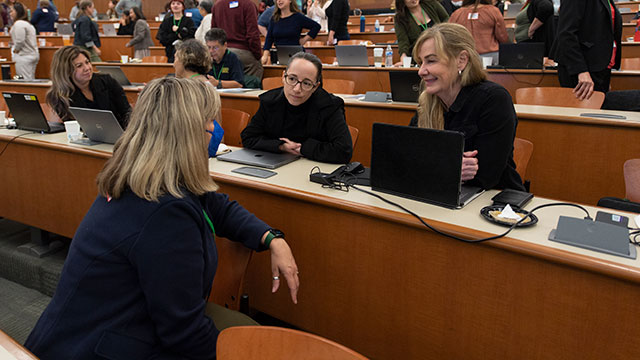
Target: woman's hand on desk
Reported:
[(283, 264), (469, 165), (290, 147), (584, 89)]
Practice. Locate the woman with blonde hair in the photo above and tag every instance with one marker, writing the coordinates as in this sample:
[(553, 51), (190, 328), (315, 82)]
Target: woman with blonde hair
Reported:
[(141, 265), (73, 83), (457, 96)]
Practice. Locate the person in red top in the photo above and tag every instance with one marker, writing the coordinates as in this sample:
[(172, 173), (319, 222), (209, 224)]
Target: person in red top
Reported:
[(239, 19)]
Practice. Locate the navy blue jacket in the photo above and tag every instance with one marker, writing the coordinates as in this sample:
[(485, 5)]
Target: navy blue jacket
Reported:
[(286, 31), (43, 19), (137, 277)]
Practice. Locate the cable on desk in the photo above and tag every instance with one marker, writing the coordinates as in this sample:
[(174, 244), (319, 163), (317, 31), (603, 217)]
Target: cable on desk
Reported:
[(10, 141), (513, 75)]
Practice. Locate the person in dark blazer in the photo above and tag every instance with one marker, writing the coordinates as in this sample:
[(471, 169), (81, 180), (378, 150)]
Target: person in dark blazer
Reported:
[(86, 31), (140, 267), (337, 18), (44, 17), (584, 49)]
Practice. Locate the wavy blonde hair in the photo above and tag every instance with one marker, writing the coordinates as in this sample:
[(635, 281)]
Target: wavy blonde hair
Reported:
[(62, 85), (450, 40), (164, 149)]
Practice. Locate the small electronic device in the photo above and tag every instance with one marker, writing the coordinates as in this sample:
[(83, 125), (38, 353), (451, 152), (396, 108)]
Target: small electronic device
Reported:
[(258, 158), (594, 235), (28, 114), (376, 96), (101, 126), (405, 85), (613, 219), (251, 171), (512, 197)]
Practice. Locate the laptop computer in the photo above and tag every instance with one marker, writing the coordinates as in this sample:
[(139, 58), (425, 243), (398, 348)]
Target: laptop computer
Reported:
[(513, 10), (420, 164), (116, 73), (285, 52), (28, 114), (405, 85), (521, 55), (258, 158), (109, 29), (352, 55), (64, 29), (100, 126)]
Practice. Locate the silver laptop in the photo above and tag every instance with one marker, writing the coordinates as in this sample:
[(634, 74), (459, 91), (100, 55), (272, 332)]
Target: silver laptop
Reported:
[(64, 29), (352, 55), (117, 73), (100, 126), (258, 158), (285, 52), (28, 115), (109, 29), (513, 10)]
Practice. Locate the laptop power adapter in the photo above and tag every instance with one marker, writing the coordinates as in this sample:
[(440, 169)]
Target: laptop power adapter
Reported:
[(322, 178)]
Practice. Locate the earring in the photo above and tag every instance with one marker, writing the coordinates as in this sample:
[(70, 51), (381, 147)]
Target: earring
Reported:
[(460, 72)]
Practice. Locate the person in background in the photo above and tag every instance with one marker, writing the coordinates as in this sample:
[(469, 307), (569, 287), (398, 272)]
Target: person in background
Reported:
[(500, 5), (126, 5), (486, 25), (337, 17), (226, 68), (316, 10), (86, 31), (44, 17), (139, 290), (52, 6), (457, 96), (25, 44), (285, 27), (451, 6), (75, 12), (141, 40), (265, 19), (192, 60), (264, 4), (588, 45), (112, 14), (175, 26), (192, 12), (205, 10), (534, 23), (6, 5), (73, 83), (412, 18), (126, 24), (301, 118)]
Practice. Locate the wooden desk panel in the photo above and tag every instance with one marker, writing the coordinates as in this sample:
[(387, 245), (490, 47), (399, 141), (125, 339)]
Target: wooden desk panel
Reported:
[(112, 46)]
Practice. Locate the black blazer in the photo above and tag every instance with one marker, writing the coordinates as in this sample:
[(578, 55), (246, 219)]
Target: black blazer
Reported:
[(585, 36)]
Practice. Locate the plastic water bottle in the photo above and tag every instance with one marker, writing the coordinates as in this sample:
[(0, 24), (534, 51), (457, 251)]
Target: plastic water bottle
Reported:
[(388, 57), (377, 25), (361, 23), (6, 30)]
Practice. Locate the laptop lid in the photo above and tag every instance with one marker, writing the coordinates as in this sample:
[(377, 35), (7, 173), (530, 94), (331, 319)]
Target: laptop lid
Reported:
[(352, 55), (27, 113), (99, 125), (64, 29), (116, 73), (285, 52), (416, 163), (524, 55), (109, 29), (405, 85), (258, 158), (513, 10)]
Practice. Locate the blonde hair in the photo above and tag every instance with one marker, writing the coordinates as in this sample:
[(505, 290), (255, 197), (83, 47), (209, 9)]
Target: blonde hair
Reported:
[(449, 41), (164, 149), (62, 85)]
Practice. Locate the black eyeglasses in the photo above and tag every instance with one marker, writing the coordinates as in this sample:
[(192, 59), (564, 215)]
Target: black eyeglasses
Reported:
[(292, 80)]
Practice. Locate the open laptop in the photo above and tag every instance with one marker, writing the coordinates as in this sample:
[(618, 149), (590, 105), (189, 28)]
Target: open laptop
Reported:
[(285, 52), (352, 55), (109, 29), (100, 126), (28, 114), (512, 10), (405, 85), (116, 73), (64, 29), (258, 158), (420, 164), (523, 55)]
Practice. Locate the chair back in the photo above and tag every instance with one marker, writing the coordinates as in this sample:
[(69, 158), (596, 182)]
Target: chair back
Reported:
[(233, 122), (632, 179), (271, 83), (339, 86), (630, 64), (315, 43), (233, 261), (271, 343), (18, 351), (155, 59), (557, 96), (354, 135), (522, 151)]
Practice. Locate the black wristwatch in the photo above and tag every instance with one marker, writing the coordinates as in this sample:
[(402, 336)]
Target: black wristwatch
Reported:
[(219, 84), (273, 233)]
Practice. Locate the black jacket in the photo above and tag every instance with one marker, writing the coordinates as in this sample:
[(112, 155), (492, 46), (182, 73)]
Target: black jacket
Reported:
[(166, 36), (337, 18), (107, 95), (325, 139), (585, 36), (85, 32), (543, 11)]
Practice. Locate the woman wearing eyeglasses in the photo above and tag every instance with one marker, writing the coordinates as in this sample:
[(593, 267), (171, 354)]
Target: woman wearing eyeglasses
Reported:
[(301, 118)]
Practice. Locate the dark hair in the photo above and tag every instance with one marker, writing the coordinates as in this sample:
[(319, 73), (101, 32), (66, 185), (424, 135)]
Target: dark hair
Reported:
[(216, 34), (206, 5), (401, 9), (21, 14), (188, 4), (476, 2), (312, 59), (138, 12)]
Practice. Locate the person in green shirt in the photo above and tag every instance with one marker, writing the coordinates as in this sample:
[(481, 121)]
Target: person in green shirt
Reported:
[(412, 18)]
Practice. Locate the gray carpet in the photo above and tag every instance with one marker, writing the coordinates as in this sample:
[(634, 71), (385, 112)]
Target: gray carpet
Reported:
[(20, 309)]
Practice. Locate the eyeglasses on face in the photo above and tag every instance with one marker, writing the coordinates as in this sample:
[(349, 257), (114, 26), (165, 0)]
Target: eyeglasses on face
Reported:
[(292, 81)]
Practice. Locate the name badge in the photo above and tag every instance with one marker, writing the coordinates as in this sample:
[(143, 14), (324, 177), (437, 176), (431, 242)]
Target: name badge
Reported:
[(473, 16), (225, 70), (45, 10), (233, 4), (189, 14)]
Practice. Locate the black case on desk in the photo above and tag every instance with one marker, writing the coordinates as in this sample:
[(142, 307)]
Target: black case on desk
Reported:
[(512, 197)]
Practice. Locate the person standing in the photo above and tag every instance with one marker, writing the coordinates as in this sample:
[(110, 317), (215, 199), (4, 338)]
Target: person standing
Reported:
[(412, 18), (192, 11), (588, 45), (141, 34), (126, 5), (44, 17), (337, 17), (316, 10), (239, 20), (86, 31), (174, 27), (534, 23), (205, 10), (25, 44)]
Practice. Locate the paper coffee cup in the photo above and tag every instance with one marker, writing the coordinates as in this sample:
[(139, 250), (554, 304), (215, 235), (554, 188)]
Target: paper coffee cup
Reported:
[(406, 62), (42, 42), (487, 61), (73, 130), (124, 59)]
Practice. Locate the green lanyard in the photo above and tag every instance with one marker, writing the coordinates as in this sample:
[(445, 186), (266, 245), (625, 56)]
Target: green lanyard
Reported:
[(179, 22), (424, 16), (221, 67), (206, 217)]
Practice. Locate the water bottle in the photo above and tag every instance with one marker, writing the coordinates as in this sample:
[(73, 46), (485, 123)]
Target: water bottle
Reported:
[(6, 30), (388, 57), (361, 23), (377, 25)]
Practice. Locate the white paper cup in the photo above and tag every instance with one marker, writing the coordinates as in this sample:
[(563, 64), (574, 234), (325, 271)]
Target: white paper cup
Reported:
[(124, 59), (487, 61), (381, 28), (377, 57), (42, 42), (406, 62), (73, 130), (3, 118)]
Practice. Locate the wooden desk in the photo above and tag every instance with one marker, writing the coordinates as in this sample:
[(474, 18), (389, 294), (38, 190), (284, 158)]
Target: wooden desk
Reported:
[(330, 51), (112, 46), (375, 37), (374, 280)]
